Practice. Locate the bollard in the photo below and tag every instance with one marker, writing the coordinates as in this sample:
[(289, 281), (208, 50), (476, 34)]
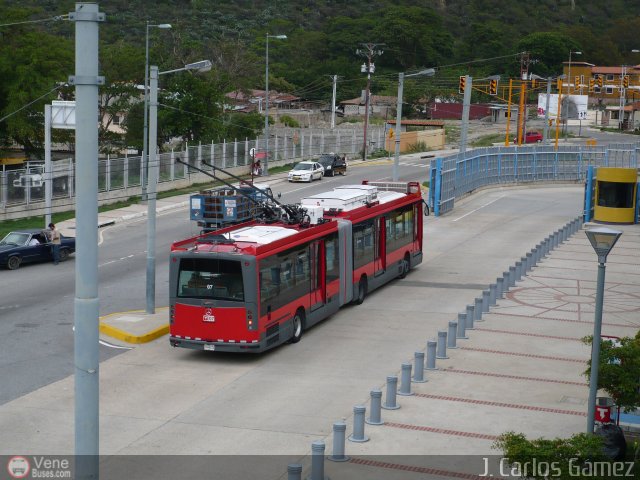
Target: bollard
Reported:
[(431, 355), (512, 276), (339, 429), (486, 300), (376, 406), (317, 460), (441, 351), (470, 317), (294, 471), (451, 337), (529, 261), (493, 295), (405, 380), (519, 272), (418, 374), (506, 276), (499, 288), (462, 326), (523, 270), (477, 310), (556, 238), (392, 386), (358, 425)]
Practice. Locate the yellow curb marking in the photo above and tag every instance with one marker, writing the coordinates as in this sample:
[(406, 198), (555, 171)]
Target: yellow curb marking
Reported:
[(129, 337)]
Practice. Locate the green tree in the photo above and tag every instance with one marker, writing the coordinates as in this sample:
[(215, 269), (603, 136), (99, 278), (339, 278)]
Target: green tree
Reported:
[(548, 50), (619, 370)]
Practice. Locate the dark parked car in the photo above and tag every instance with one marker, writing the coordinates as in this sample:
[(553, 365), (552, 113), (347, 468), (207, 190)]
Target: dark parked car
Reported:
[(31, 245), (333, 164)]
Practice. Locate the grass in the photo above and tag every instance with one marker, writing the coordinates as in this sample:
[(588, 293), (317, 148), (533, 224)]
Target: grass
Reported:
[(452, 133), (488, 140)]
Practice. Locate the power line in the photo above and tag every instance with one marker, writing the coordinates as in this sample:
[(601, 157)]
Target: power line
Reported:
[(55, 19)]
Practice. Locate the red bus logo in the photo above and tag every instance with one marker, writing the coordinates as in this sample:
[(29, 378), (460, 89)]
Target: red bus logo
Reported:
[(208, 316)]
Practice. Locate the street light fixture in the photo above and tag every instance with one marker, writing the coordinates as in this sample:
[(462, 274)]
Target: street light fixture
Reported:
[(602, 240), (569, 79), (145, 129), (154, 170), (429, 72), (265, 169)]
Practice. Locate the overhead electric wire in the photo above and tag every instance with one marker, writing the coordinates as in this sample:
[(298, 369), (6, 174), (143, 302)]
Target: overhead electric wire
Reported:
[(31, 103), (56, 18)]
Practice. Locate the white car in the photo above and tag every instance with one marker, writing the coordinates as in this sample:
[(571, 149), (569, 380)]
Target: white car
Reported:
[(306, 172)]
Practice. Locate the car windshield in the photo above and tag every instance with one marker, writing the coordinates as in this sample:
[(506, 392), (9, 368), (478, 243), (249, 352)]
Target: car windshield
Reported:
[(15, 238), (303, 166)]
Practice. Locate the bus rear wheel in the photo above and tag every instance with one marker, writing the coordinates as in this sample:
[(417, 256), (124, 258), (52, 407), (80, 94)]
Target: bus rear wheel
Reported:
[(406, 265), (362, 291), (298, 326)]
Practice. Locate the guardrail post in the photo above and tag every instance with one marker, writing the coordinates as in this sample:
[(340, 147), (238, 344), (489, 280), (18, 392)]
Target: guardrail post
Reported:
[(294, 471), (392, 387), (441, 352), (431, 355), (339, 429), (418, 373), (317, 460), (451, 337), (405, 380), (470, 317), (462, 326), (358, 425), (376, 406)]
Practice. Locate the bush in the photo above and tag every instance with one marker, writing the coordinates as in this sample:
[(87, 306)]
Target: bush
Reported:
[(417, 147), (289, 121)]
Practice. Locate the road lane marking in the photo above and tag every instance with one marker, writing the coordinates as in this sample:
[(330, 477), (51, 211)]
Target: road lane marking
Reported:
[(473, 211)]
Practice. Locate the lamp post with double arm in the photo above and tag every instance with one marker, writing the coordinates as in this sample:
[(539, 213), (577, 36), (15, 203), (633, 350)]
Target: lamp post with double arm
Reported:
[(145, 128), (154, 170)]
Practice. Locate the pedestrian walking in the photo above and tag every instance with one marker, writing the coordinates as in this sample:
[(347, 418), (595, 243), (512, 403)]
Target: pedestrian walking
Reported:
[(54, 235)]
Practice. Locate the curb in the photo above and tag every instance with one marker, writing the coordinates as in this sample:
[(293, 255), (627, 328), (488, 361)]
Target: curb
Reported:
[(119, 334)]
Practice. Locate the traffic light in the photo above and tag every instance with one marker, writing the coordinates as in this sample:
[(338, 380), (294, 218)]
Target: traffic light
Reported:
[(493, 87), (592, 83), (534, 83), (599, 81), (462, 84), (625, 81), (576, 83), (559, 84)]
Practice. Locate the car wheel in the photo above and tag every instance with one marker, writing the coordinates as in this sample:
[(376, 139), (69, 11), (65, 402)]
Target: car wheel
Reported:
[(14, 262), (64, 254), (297, 323)]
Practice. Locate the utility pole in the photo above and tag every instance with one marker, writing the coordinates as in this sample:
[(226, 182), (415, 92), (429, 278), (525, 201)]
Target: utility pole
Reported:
[(369, 52), (466, 104), (333, 103), (545, 134), (623, 71)]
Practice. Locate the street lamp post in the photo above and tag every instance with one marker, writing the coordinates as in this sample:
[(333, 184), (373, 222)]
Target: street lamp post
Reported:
[(427, 72), (154, 170), (145, 129), (265, 169), (602, 240)]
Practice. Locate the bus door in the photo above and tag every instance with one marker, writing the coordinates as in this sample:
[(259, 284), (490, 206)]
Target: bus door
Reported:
[(380, 259), (318, 288)]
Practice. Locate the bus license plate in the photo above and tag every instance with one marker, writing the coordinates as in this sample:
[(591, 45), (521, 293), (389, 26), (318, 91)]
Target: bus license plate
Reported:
[(210, 348)]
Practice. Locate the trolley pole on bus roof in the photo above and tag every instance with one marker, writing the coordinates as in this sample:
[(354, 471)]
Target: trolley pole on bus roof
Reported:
[(86, 336)]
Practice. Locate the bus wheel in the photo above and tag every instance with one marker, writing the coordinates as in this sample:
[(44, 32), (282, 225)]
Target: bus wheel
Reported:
[(362, 291), (405, 266), (298, 326)]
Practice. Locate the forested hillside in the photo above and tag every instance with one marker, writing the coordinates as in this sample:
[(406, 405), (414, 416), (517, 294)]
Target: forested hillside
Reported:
[(479, 37)]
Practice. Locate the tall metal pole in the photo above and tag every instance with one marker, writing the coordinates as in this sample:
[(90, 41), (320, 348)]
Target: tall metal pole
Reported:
[(265, 168), (151, 192), (396, 161), (366, 109), (48, 187), (545, 132), (86, 337), (622, 99), (506, 139), (466, 104), (333, 103), (595, 349), (559, 114), (145, 129)]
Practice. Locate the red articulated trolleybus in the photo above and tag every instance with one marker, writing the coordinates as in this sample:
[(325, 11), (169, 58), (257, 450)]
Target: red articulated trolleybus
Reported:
[(253, 286)]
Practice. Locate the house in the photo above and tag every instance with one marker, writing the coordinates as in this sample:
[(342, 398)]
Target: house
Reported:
[(582, 78), (383, 105), (253, 100)]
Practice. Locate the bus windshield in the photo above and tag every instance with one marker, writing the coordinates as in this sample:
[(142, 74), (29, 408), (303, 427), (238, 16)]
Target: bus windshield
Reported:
[(210, 278)]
